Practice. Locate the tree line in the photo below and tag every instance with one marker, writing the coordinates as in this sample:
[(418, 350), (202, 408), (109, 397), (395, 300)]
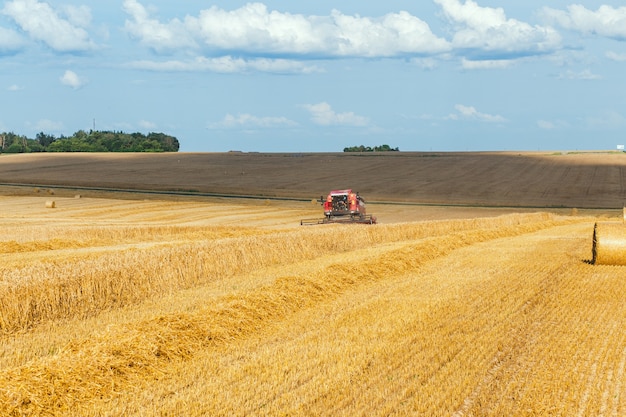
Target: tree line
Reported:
[(92, 141), (361, 148)]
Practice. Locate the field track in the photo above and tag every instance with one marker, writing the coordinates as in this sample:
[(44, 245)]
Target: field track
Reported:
[(151, 308)]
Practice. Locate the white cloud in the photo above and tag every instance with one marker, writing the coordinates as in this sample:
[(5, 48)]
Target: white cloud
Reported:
[(79, 16), (486, 32), (470, 113), (251, 121), (282, 66), (607, 21), (551, 125), (228, 64), (152, 33), (614, 56), (425, 63), (71, 79), (582, 75), (14, 87), (607, 120), (486, 64), (144, 124), (323, 114), (48, 126), (44, 24), (253, 29), (10, 41)]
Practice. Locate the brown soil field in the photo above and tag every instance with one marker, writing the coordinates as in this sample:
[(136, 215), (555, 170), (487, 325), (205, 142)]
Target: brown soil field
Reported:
[(569, 180), (481, 304)]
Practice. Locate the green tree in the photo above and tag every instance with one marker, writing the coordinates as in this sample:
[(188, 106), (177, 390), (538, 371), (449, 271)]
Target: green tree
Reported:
[(15, 147), (44, 140), (94, 141), (361, 148)]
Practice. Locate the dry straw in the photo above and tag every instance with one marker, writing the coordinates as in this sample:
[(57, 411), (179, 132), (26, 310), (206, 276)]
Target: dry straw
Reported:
[(83, 287), (117, 359), (50, 204), (609, 243)]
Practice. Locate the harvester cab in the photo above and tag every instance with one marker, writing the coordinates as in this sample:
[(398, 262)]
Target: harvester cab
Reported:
[(342, 206)]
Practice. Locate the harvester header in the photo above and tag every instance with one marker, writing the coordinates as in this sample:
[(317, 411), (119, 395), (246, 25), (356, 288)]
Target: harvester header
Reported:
[(342, 206)]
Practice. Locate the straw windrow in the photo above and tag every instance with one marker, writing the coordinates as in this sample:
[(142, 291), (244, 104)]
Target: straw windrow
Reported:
[(119, 276)]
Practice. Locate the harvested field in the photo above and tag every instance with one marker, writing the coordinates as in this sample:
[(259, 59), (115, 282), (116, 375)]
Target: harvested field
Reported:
[(229, 307)]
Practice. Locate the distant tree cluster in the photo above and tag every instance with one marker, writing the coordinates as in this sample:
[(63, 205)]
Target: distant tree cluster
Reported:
[(361, 148), (92, 141)]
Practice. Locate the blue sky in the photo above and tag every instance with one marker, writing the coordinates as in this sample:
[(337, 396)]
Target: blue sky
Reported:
[(440, 75)]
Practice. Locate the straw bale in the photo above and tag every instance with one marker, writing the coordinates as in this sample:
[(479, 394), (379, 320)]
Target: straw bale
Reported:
[(609, 243), (50, 204)]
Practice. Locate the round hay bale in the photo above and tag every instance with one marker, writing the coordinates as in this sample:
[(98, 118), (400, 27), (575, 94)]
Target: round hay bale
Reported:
[(50, 204), (609, 243), (77, 196)]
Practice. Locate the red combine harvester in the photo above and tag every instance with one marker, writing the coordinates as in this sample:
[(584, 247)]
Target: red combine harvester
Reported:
[(342, 206)]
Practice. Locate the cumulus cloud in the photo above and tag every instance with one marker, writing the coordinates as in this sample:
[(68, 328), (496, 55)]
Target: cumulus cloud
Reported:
[(46, 125), (145, 124), (614, 56), (323, 114), (486, 32), (607, 21), (486, 64), (551, 125), (79, 16), (425, 63), (63, 33), (470, 113), (14, 87), (251, 121), (228, 64), (607, 120), (10, 41), (154, 34), (254, 30), (582, 75), (71, 79)]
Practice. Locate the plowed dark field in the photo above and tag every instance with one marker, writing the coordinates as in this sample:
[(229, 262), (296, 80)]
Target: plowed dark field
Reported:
[(552, 180)]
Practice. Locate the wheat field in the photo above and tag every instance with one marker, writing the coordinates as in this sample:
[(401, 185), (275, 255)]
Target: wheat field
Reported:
[(230, 308)]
